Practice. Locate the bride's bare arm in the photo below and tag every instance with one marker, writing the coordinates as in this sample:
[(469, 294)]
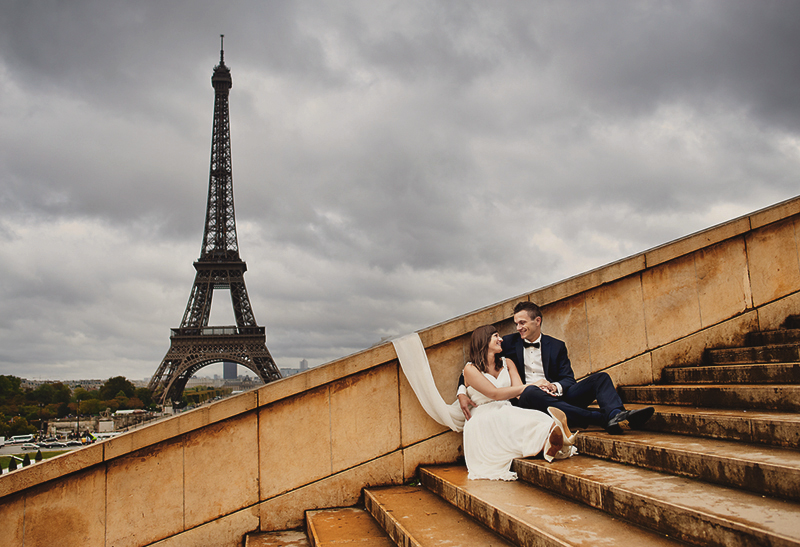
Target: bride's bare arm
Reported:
[(513, 372), (476, 380)]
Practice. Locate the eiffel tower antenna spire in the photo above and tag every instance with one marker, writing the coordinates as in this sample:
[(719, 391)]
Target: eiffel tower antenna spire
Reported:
[(194, 344), (222, 49)]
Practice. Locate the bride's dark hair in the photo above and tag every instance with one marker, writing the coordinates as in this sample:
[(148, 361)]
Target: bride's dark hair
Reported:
[(479, 346)]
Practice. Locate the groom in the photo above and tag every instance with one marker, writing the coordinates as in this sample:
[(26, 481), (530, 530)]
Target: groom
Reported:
[(543, 362)]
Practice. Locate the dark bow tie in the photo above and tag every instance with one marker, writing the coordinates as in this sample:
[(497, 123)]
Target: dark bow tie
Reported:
[(530, 344)]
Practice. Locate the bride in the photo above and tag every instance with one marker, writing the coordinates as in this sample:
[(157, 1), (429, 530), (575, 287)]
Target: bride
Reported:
[(498, 432)]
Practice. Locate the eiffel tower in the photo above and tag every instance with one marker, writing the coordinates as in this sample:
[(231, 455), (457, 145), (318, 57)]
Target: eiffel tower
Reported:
[(194, 344)]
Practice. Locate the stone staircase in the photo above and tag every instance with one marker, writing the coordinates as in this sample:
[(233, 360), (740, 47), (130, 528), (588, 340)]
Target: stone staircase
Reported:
[(718, 465)]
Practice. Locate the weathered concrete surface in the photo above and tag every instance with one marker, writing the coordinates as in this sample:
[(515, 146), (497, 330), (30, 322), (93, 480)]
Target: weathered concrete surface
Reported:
[(345, 526), (287, 538), (526, 515), (773, 373), (680, 507), (414, 515), (781, 397), (746, 425), (758, 468)]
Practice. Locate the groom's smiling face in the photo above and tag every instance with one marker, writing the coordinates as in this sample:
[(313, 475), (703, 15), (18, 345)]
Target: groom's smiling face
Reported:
[(529, 329)]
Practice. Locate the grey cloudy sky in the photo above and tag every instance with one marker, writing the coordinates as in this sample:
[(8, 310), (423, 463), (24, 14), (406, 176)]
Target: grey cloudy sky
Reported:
[(395, 164)]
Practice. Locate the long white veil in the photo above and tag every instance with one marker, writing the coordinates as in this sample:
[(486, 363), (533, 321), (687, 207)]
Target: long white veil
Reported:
[(414, 362)]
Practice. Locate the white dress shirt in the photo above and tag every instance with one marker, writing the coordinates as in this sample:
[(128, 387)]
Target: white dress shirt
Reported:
[(534, 367)]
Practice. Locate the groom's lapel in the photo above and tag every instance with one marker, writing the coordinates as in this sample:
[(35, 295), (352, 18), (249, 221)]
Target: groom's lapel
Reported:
[(546, 356), (521, 359)]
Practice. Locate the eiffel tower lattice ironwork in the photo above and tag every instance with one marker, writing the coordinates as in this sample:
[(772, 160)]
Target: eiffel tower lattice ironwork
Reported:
[(195, 344)]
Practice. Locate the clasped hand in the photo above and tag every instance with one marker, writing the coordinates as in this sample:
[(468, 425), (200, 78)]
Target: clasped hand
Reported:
[(546, 386)]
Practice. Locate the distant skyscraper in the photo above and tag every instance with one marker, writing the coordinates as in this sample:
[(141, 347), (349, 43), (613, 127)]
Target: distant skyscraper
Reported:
[(303, 365), (229, 371)]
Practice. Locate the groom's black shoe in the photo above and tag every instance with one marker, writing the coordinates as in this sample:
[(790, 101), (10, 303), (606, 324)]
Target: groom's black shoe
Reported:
[(636, 418), (613, 425)]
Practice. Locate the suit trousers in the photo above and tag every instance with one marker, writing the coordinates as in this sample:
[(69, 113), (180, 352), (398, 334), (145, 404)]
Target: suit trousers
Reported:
[(575, 400)]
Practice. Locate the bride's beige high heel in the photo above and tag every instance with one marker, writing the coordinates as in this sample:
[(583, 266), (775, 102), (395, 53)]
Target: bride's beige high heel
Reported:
[(553, 444), (561, 421)]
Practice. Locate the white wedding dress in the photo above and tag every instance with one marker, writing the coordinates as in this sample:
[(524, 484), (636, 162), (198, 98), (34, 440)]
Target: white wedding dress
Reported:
[(498, 432)]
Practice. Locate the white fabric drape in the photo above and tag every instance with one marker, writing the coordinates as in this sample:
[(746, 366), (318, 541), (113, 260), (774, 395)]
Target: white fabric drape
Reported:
[(414, 362)]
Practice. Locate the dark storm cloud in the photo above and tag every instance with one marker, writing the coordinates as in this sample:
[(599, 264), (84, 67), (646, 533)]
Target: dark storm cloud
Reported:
[(395, 164), (634, 57)]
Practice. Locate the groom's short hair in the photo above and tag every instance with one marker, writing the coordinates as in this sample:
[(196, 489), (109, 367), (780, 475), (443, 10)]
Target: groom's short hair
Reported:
[(533, 310)]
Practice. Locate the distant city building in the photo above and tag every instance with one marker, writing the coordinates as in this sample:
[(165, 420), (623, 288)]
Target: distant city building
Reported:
[(88, 385), (105, 423), (230, 370), (203, 381), (292, 371)]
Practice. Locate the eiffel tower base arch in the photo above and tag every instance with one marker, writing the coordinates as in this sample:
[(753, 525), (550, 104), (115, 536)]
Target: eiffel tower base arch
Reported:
[(190, 352)]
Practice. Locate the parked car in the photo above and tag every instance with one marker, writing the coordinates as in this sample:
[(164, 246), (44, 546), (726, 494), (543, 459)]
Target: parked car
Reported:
[(52, 444)]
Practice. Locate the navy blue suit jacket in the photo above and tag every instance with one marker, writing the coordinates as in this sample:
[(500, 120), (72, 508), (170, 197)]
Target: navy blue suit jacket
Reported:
[(557, 367)]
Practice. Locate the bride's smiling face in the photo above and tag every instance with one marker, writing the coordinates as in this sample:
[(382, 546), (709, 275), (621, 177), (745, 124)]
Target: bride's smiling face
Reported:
[(495, 343)]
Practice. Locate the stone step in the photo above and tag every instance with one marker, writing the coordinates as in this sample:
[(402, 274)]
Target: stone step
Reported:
[(413, 515), (286, 538), (686, 509), (769, 337), (527, 515), (345, 526), (777, 353), (750, 426), (758, 396), (761, 469), (765, 373)]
